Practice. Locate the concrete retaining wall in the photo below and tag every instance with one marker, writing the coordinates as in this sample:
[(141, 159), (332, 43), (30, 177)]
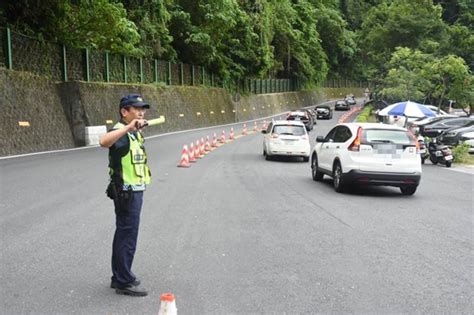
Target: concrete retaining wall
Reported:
[(58, 113)]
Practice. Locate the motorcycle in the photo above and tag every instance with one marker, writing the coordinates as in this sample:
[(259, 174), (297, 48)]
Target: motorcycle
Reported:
[(440, 153), (422, 149)]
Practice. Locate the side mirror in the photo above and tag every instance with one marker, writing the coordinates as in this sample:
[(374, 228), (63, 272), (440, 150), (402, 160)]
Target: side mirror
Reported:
[(319, 139), (264, 131)]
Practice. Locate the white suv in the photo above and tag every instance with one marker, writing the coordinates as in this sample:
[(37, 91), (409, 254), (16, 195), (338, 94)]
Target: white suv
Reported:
[(368, 154), (286, 137)]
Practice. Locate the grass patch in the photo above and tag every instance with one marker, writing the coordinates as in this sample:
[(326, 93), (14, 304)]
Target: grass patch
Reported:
[(461, 154), (366, 115)]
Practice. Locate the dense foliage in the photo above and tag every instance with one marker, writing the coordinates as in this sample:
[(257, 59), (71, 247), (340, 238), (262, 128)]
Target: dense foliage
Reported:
[(412, 49)]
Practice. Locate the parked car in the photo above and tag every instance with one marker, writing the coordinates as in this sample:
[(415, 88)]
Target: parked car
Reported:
[(341, 105), (368, 154), (435, 129), (452, 136), (468, 138), (323, 111), (302, 116), (286, 138), (434, 109)]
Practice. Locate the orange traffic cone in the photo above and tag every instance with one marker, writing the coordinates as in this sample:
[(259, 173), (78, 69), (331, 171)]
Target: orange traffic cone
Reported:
[(191, 153), (214, 141), (231, 136), (223, 137), (184, 162), (255, 128), (264, 125), (197, 151), (208, 145), (201, 147), (168, 305), (244, 130)]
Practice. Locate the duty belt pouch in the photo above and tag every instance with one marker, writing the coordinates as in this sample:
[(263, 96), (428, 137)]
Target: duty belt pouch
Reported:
[(111, 191), (125, 198)]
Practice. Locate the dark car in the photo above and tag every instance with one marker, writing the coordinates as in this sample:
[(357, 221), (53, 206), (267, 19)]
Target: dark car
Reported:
[(453, 136), (350, 99), (341, 105), (435, 129), (302, 116), (323, 111)]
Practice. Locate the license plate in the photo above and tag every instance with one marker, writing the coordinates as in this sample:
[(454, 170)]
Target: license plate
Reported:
[(448, 157)]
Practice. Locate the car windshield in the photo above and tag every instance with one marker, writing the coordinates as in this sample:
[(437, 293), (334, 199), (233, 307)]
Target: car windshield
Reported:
[(289, 130), (386, 136)]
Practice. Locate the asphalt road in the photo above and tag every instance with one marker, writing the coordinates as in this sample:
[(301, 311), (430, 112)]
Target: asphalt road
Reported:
[(234, 234)]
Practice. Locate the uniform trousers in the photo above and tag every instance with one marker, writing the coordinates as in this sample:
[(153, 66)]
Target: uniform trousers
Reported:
[(127, 221)]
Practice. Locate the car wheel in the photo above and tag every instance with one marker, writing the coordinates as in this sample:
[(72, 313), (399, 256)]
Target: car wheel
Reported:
[(317, 175), (422, 160), (408, 190), (305, 158), (264, 152), (338, 181), (268, 157)]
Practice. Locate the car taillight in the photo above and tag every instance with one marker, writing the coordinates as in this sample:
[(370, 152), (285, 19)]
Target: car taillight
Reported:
[(355, 145), (414, 141), (274, 135)]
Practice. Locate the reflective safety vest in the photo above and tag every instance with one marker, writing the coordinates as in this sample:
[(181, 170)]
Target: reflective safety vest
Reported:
[(132, 171)]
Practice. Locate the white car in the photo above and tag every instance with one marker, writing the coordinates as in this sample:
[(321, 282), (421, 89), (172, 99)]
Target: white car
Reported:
[(368, 154), (286, 138)]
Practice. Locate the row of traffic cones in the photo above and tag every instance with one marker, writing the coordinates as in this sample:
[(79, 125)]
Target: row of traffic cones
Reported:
[(200, 148)]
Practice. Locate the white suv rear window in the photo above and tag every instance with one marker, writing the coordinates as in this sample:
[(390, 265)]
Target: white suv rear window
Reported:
[(386, 136), (289, 130)]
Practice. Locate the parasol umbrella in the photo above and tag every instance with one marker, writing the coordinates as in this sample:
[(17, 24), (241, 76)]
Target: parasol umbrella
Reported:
[(407, 109)]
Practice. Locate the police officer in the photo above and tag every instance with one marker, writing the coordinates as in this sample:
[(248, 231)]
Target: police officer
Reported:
[(129, 175)]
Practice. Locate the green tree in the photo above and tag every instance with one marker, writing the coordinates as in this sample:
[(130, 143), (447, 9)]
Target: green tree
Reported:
[(100, 24), (152, 18), (337, 40), (217, 34), (405, 79), (400, 23), (450, 77)]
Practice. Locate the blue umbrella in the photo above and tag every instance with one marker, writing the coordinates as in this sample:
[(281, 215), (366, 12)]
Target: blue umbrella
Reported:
[(408, 109)]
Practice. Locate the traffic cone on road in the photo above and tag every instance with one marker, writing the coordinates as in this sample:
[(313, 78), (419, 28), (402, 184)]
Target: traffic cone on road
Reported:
[(191, 153), (264, 125), (244, 130), (202, 147), (231, 136), (197, 151), (255, 127), (214, 141), (223, 137), (184, 162), (168, 305), (208, 145)]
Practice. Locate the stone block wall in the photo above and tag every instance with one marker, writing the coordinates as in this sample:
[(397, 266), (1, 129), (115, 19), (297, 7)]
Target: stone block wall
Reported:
[(58, 112), (29, 98)]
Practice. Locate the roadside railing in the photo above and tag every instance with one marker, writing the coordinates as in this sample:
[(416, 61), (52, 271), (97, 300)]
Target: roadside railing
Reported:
[(60, 63)]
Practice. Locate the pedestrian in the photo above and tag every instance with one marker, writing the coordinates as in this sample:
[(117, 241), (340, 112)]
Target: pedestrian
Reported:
[(129, 176)]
